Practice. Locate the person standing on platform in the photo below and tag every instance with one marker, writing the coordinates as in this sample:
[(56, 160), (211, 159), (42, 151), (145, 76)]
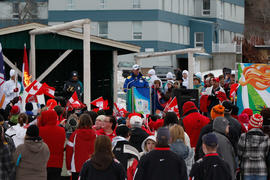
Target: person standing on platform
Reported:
[(136, 79)]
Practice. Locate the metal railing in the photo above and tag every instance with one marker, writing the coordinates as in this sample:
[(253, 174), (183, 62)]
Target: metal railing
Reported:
[(227, 48)]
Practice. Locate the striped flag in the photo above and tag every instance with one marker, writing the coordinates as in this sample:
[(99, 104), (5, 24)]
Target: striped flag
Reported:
[(2, 78)]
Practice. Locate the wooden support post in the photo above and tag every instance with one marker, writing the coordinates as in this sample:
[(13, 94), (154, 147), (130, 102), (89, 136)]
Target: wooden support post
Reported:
[(6, 60), (115, 74), (54, 64), (191, 65), (86, 64), (32, 57)]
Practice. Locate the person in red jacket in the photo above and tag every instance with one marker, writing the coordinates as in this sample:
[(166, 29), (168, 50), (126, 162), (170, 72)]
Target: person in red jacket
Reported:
[(108, 127), (193, 122), (80, 145), (54, 136)]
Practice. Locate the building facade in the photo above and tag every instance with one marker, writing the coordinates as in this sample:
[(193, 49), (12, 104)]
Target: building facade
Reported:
[(14, 12), (163, 25)]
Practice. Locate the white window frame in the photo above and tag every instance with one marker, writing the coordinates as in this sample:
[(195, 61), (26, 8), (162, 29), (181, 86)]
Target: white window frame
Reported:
[(70, 4), (195, 40), (136, 4), (103, 35), (206, 12), (136, 35), (102, 4)]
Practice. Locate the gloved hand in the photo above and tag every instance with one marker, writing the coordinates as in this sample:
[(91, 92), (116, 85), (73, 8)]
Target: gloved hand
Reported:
[(16, 89)]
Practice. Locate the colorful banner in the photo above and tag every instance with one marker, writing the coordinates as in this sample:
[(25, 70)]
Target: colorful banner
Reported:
[(138, 100), (254, 89), (142, 103)]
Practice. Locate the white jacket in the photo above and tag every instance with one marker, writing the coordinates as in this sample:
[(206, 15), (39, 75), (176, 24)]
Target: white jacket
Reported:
[(8, 89), (18, 134)]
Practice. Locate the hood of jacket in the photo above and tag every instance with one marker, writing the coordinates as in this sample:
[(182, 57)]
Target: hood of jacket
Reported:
[(85, 134), (49, 117), (34, 146), (153, 138), (117, 139), (256, 137), (220, 124)]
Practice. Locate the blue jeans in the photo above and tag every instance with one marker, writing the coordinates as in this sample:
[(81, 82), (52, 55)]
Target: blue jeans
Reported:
[(254, 177)]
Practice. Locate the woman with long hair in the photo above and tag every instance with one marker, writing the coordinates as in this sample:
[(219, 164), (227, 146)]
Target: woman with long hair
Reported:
[(179, 146), (102, 164), (80, 145)]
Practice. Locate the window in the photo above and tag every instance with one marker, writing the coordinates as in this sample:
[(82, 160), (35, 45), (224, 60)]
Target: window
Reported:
[(102, 4), (206, 7), (15, 14), (136, 4), (70, 5), (199, 39), (103, 29), (137, 30)]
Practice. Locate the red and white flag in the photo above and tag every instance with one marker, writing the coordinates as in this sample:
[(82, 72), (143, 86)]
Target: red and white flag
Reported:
[(25, 69), (35, 88), (172, 106), (48, 90), (101, 103), (119, 112), (74, 102), (234, 88)]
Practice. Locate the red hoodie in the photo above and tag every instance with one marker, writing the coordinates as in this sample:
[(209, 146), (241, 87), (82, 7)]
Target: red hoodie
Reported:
[(54, 136), (79, 148)]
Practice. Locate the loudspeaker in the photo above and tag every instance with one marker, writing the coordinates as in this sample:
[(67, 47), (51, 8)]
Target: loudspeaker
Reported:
[(184, 95)]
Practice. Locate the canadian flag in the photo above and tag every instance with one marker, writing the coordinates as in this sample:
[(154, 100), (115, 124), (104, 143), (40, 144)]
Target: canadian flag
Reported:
[(35, 88), (48, 90), (172, 106), (74, 102), (101, 103), (234, 88), (119, 112)]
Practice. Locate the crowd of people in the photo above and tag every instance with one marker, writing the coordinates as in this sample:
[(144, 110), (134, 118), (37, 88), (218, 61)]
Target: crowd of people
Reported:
[(209, 142)]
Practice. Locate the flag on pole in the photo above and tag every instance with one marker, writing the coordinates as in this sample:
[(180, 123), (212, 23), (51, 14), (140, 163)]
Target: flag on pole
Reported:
[(74, 102), (119, 112), (101, 103), (172, 106), (2, 78), (234, 88), (35, 88), (25, 69), (48, 90)]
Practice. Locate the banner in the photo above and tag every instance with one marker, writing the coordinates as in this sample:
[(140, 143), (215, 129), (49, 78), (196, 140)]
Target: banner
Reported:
[(142, 103), (254, 91), (138, 100)]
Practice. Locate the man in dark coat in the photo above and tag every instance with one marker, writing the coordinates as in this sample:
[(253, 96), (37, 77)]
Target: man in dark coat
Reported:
[(161, 163), (73, 85), (211, 166)]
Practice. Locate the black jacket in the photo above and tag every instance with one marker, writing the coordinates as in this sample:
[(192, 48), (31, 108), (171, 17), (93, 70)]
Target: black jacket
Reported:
[(211, 167), (115, 171), (137, 137), (124, 152), (161, 163)]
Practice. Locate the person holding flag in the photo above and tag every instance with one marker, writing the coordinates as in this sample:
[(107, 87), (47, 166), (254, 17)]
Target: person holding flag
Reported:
[(11, 88)]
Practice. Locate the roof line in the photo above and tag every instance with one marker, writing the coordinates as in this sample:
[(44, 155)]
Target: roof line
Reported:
[(73, 34)]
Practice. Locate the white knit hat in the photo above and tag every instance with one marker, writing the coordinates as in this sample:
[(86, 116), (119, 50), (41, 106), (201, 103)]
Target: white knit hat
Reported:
[(12, 72), (169, 75), (185, 72), (152, 72)]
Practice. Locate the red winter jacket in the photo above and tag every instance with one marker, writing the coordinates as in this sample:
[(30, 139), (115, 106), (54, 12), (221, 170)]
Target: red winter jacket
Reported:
[(193, 123), (54, 136), (79, 148), (101, 132)]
